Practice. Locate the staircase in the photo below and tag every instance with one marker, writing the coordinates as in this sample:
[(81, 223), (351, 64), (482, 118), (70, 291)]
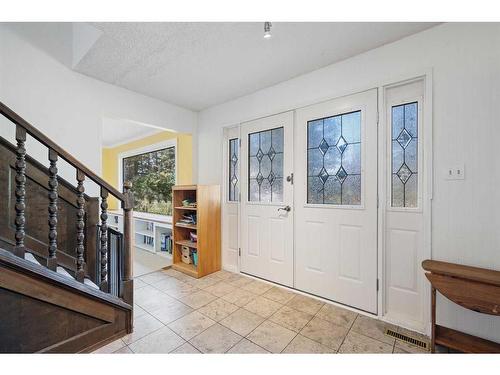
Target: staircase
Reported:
[(65, 278)]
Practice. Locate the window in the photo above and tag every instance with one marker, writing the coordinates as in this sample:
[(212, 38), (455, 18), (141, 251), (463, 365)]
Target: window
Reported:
[(334, 160), (152, 175), (404, 156), (234, 169), (265, 166)]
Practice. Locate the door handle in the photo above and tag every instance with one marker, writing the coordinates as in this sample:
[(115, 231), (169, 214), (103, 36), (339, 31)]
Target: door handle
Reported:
[(286, 208)]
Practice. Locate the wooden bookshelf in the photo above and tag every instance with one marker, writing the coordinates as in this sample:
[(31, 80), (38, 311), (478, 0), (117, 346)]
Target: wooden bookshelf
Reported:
[(193, 245), (186, 208), (207, 198)]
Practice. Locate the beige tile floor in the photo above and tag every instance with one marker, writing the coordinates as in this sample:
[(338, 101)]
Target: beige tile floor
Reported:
[(146, 262), (230, 313)]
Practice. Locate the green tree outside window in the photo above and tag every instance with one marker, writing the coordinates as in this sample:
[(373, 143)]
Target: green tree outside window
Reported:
[(152, 175)]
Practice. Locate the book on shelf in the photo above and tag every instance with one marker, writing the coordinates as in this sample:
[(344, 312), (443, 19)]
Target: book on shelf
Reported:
[(166, 242), (188, 219), (193, 237)]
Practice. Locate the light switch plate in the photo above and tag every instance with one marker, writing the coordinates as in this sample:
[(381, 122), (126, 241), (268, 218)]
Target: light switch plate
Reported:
[(456, 172)]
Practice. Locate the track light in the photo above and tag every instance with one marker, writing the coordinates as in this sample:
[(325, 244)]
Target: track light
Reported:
[(267, 30)]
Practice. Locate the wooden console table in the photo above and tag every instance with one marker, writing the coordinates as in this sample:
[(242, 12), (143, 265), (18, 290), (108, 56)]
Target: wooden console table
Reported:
[(476, 289)]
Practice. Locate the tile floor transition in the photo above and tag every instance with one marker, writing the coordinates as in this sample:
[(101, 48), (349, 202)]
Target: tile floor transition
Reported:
[(230, 313)]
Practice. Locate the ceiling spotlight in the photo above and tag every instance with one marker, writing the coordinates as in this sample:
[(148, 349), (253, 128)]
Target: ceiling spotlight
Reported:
[(267, 29)]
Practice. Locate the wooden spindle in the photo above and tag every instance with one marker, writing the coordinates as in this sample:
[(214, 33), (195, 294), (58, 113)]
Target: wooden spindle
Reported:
[(80, 227), (104, 240), (128, 281), (53, 197), (20, 206)]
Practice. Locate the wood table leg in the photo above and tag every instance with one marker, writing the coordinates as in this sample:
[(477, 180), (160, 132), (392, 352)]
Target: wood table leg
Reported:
[(433, 319)]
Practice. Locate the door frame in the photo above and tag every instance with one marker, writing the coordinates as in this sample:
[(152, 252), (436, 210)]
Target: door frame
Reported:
[(426, 185), (381, 84)]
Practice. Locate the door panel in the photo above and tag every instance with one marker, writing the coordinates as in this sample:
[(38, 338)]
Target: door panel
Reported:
[(336, 200), (267, 229), (405, 296)]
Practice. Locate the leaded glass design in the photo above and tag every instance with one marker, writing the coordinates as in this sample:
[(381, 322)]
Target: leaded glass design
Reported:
[(234, 170), (404, 155), (265, 166), (334, 160)]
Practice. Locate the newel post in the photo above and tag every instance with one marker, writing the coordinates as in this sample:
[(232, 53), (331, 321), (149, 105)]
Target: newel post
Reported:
[(128, 281)]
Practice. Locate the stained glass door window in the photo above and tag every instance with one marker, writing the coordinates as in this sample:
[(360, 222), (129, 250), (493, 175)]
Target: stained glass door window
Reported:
[(404, 156), (265, 166), (334, 160), (234, 166)]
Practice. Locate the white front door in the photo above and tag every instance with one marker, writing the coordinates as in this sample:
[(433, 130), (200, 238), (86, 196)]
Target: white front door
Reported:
[(336, 200), (267, 198)]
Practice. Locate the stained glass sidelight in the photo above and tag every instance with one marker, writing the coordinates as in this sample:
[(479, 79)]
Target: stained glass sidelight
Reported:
[(265, 166), (334, 160), (234, 166), (404, 155)]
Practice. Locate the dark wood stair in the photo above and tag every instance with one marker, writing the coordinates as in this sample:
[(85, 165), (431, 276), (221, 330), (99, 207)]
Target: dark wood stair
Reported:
[(65, 277)]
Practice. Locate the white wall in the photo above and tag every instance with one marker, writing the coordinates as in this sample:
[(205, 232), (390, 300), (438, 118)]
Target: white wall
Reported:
[(69, 107), (465, 60)]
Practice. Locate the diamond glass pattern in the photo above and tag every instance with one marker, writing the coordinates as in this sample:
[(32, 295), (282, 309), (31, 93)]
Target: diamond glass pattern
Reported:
[(266, 154), (323, 175), (260, 178), (234, 152), (404, 173), (260, 155), (271, 153), (322, 156), (341, 144), (404, 154), (341, 174), (323, 146), (271, 178), (404, 138)]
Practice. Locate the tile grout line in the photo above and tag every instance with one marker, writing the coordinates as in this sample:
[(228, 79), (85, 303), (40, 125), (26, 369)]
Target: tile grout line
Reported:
[(300, 330), (224, 280)]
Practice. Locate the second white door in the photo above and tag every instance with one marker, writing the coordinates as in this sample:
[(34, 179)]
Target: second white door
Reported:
[(336, 200), (267, 198)]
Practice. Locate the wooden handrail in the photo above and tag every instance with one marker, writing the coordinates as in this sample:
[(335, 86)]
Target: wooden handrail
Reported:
[(42, 138), (126, 198)]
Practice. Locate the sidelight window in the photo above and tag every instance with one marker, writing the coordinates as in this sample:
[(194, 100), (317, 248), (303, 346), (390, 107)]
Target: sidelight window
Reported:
[(234, 166), (404, 156)]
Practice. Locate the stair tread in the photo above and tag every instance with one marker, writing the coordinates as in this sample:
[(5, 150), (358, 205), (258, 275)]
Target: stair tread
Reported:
[(31, 258), (60, 270), (89, 282), (63, 271)]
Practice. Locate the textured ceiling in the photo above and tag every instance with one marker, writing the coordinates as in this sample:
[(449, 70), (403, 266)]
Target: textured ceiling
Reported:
[(197, 65)]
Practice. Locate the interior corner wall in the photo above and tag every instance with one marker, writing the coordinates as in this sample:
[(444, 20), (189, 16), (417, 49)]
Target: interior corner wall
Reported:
[(465, 62), (69, 107), (184, 176)]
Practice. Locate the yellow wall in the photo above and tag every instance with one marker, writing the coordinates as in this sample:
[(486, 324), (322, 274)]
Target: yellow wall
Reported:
[(184, 158)]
